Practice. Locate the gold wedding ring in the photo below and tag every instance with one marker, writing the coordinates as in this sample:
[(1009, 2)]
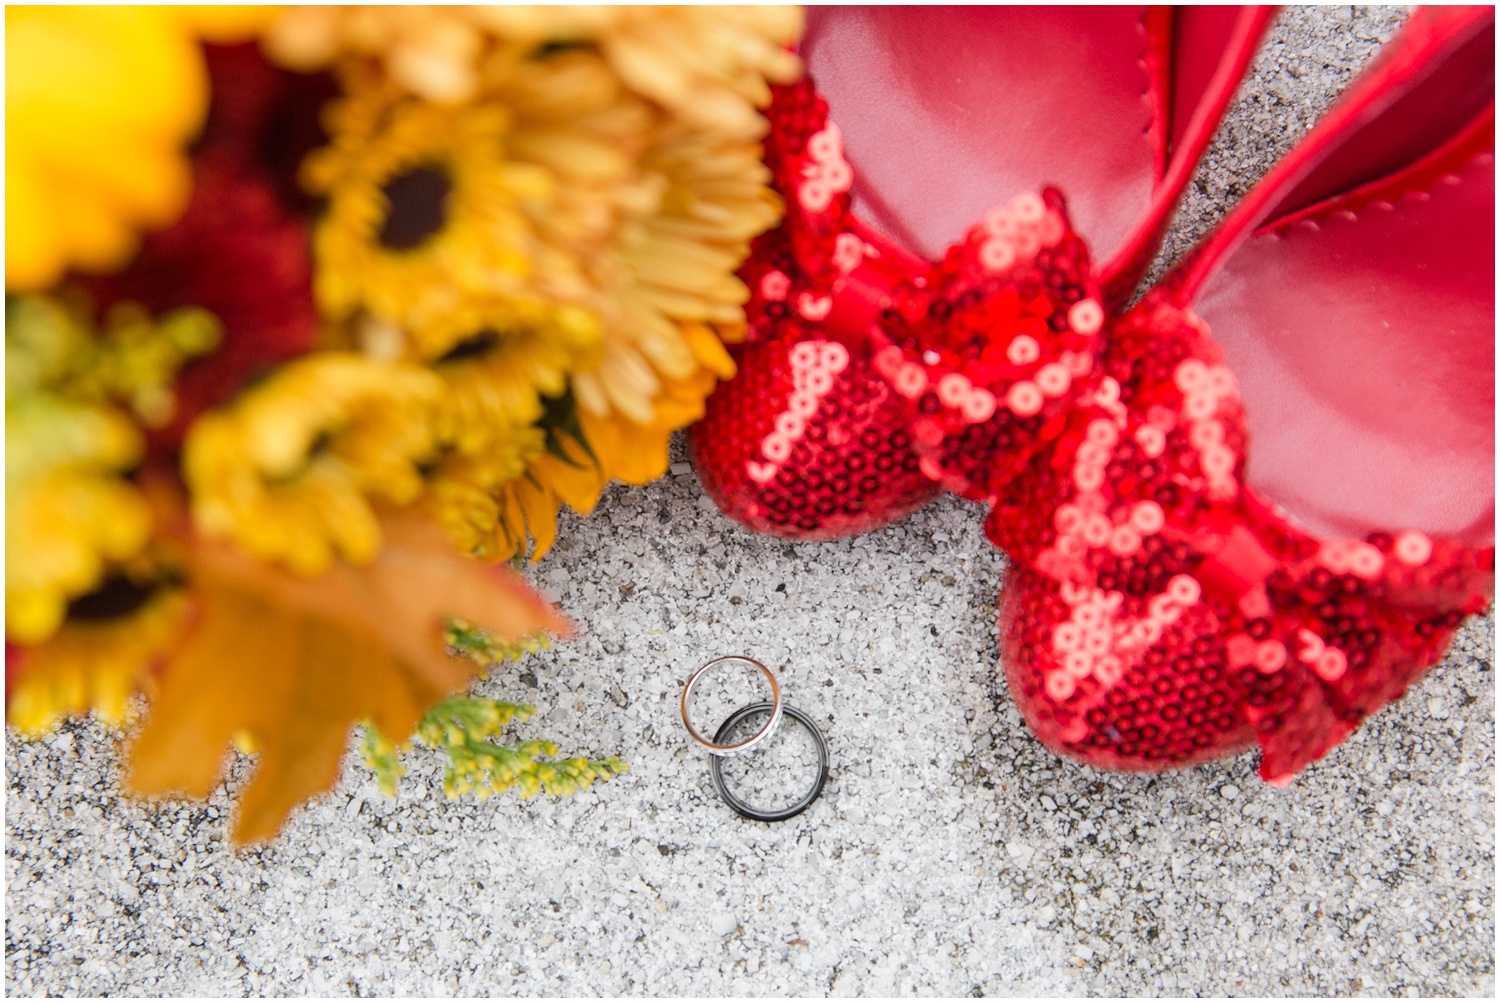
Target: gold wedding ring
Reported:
[(760, 736)]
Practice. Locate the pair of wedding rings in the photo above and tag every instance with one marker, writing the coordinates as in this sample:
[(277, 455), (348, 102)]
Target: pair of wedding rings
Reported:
[(774, 711)]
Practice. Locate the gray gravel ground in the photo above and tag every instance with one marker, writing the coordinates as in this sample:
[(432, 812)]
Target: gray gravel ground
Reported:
[(950, 854)]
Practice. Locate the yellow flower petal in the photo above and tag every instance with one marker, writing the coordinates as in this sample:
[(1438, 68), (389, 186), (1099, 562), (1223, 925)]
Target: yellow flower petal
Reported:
[(99, 104), (289, 469), (95, 662)]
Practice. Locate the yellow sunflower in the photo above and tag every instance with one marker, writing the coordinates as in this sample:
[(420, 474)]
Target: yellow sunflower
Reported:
[(288, 469), (496, 386), (672, 268), (68, 510), (635, 133), (630, 207), (99, 105), (103, 654), (655, 217), (425, 225)]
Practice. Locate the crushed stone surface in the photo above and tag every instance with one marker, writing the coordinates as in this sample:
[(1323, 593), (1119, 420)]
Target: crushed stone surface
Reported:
[(951, 853)]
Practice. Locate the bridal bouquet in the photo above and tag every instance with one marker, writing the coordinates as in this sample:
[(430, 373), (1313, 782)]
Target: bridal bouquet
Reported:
[(314, 318)]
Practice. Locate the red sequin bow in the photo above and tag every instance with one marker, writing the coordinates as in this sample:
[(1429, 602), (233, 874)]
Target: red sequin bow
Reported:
[(1161, 609)]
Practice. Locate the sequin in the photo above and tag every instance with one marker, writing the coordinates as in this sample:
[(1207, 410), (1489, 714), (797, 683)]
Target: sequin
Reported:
[(1060, 685), (1270, 656), (775, 285), (1053, 379), (848, 252), (776, 447), (1412, 548), (1023, 350), (1086, 317), (954, 389), (814, 308), (1024, 398), (997, 255), (978, 406)]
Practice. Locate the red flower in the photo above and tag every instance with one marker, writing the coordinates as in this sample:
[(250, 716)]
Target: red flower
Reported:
[(241, 251), (265, 119)]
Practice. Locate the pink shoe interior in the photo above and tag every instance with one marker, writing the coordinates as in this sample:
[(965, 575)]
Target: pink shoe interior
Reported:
[(947, 112), (1364, 345), (1363, 333)]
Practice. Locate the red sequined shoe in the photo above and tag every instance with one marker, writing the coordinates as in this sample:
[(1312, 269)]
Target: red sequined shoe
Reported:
[(1194, 575), (857, 344)]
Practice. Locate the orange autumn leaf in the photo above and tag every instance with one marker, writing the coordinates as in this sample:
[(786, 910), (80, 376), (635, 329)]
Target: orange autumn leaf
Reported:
[(295, 662)]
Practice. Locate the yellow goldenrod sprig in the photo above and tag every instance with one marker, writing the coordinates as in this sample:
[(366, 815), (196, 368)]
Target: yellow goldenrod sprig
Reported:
[(382, 757), (486, 768), (462, 728), (486, 651), (459, 719)]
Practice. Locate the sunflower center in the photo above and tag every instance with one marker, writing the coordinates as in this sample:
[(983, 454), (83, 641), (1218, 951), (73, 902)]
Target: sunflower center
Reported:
[(557, 47), (418, 207), (118, 597), (473, 346)]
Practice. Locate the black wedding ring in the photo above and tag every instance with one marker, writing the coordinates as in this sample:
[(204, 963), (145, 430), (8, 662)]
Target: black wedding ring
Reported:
[(716, 764)]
